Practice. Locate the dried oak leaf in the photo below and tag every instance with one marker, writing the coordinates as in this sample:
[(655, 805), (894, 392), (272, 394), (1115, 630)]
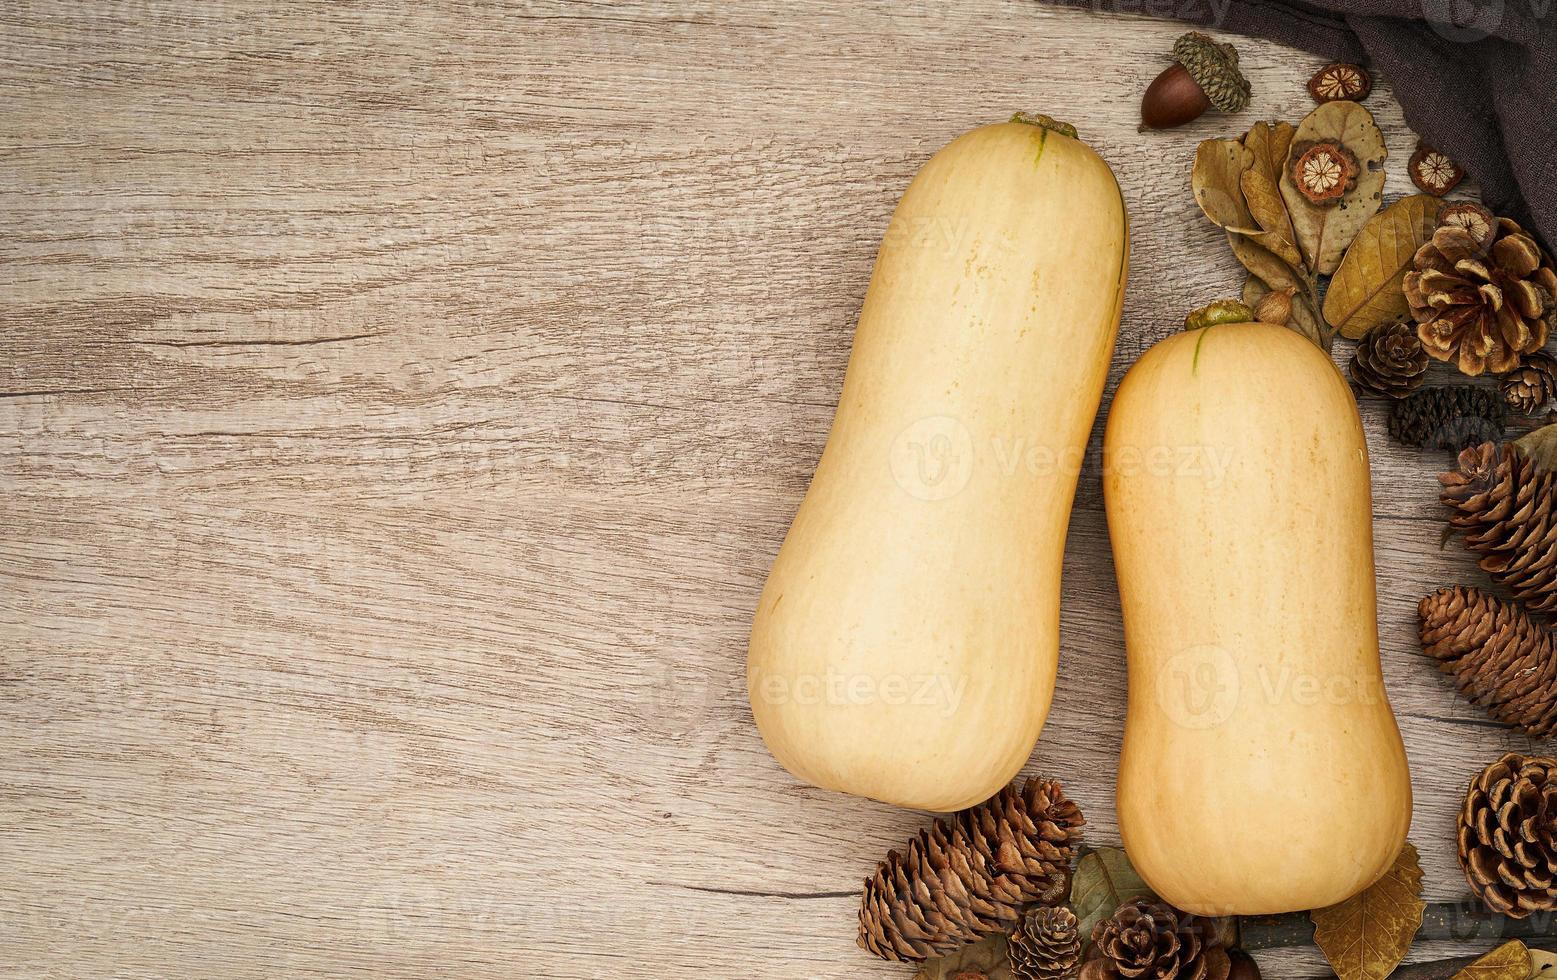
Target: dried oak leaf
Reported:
[(1324, 232), (1105, 879), (1366, 936), (1219, 164), (1365, 291), (1510, 961), (984, 959)]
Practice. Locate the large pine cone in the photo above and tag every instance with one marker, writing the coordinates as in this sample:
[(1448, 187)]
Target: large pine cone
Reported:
[(1508, 835), (1448, 417), (1499, 658), (1532, 384), (970, 876), (1389, 360), (1506, 505), (1482, 305), (1146, 939), (1046, 945)]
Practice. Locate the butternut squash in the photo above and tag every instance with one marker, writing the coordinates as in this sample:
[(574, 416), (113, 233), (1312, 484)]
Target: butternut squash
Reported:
[(905, 644), (1262, 770)]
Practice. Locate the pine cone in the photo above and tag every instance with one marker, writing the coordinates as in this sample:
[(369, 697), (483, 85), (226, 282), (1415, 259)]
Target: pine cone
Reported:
[(1532, 384), (969, 876), (1448, 417), (1149, 940), (1046, 945), (1508, 835), (1505, 503), (1482, 306), (1499, 658), (1389, 360)]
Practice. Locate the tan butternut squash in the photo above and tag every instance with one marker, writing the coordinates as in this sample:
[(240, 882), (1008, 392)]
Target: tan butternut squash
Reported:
[(904, 647), (1262, 770)]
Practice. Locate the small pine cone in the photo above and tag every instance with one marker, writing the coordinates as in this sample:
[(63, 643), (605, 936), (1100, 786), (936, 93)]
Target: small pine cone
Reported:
[(1500, 659), (1448, 417), (1146, 939), (1532, 384), (1505, 503), (1508, 835), (969, 876), (1389, 360), (1046, 944)]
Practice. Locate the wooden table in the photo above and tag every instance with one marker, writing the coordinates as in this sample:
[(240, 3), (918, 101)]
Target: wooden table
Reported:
[(401, 407)]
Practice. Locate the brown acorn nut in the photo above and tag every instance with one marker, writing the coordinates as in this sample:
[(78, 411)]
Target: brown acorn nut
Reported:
[(1433, 171), (1204, 74), (1339, 81), (1324, 171)]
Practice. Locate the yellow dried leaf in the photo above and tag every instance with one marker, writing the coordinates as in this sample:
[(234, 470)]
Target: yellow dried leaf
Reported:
[(1366, 936), (1510, 961), (1323, 233), (1366, 289), (1215, 181)]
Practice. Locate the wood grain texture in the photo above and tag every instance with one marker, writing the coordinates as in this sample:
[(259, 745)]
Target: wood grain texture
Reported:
[(399, 408)]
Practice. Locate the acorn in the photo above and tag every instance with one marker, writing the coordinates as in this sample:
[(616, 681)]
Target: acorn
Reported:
[(1204, 75)]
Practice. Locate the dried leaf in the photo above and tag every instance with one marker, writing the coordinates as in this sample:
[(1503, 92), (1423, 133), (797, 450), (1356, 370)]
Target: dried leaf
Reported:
[(1366, 936), (1269, 143), (1510, 961), (1541, 446), (1323, 233), (1263, 200), (1215, 180), (1543, 964), (1366, 289), (1105, 879), (1265, 264), (987, 957)]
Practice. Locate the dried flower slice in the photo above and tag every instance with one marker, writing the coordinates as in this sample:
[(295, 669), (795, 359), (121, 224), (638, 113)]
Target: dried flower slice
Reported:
[(1474, 218)]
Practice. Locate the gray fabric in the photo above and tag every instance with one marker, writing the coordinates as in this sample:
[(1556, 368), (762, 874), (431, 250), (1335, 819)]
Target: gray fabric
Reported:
[(1477, 78)]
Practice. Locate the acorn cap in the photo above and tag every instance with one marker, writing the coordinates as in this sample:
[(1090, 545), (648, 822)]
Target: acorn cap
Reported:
[(1214, 66)]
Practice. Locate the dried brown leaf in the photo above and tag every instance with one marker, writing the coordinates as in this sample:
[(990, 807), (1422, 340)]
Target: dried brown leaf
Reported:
[(1366, 936), (1263, 200), (988, 957), (1323, 233), (1269, 143), (1215, 181), (1510, 961), (1366, 289)]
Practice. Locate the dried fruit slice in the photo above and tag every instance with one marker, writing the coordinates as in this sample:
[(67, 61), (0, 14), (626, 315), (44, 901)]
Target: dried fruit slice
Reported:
[(1333, 83), (1324, 171), (1433, 171), (1474, 218)]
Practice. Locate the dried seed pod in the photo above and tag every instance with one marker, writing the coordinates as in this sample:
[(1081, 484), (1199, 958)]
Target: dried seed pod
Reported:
[(1481, 223), (1204, 74), (1275, 306), (1433, 171), (1332, 83), (1324, 171)]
